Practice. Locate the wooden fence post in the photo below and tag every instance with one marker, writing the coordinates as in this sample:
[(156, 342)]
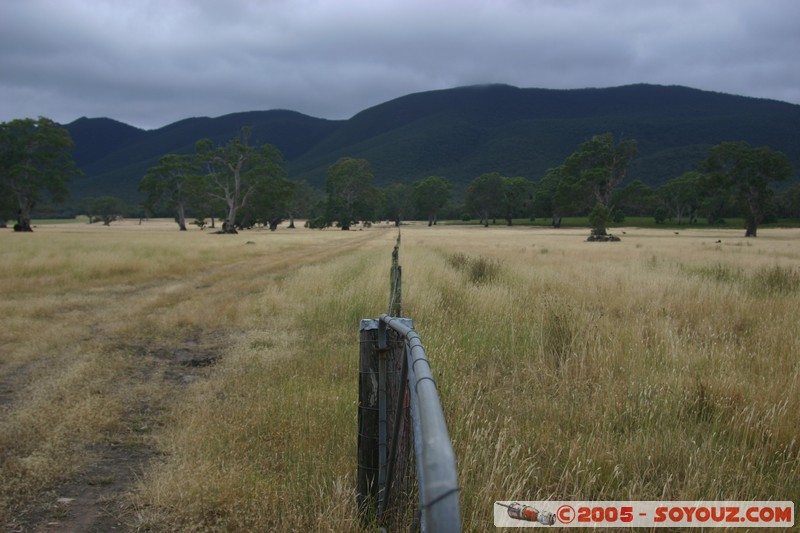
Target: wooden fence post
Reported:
[(367, 482), (396, 282)]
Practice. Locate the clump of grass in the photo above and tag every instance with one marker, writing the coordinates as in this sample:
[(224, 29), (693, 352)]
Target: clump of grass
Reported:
[(478, 270), (720, 272), (775, 280), (559, 333), (457, 260), (483, 270)]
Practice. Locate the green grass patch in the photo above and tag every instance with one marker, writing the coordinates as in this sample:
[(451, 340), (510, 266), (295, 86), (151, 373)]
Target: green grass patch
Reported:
[(637, 222)]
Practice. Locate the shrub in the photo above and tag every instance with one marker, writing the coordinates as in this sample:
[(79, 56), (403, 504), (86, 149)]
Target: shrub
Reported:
[(317, 223)]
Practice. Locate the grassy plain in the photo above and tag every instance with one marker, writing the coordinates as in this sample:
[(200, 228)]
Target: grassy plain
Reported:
[(215, 377)]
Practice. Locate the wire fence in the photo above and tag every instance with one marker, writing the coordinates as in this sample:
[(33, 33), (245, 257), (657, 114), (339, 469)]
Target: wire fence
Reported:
[(406, 466)]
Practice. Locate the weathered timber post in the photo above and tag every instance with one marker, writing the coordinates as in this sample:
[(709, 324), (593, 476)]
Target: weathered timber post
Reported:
[(367, 482), (396, 282)]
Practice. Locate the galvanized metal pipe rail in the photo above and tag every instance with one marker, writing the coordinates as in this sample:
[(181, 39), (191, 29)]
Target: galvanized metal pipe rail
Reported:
[(436, 463)]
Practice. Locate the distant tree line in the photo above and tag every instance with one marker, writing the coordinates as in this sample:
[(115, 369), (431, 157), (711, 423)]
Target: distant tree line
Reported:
[(244, 185), (735, 179)]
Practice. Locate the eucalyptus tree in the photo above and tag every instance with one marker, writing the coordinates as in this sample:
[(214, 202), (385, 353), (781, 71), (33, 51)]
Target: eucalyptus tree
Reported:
[(35, 164), (430, 195), (103, 208), (8, 206), (682, 195), (235, 170), (351, 196), (790, 201), (747, 172), (270, 203), (516, 198), (484, 196), (600, 165), (398, 202), (175, 182), (556, 195), (636, 198), (303, 199)]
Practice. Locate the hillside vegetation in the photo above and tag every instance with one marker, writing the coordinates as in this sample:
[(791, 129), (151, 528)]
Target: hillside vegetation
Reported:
[(459, 133)]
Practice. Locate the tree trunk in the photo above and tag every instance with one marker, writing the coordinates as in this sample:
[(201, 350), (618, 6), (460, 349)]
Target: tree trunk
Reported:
[(752, 219), (750, 229), (291, 221), (23, 220), (181, 218), (556, 221), (599, 232), (397, 221), (229, 224)]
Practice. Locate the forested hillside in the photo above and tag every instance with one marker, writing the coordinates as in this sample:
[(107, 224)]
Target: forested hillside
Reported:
[(459, 133), (115, 168)]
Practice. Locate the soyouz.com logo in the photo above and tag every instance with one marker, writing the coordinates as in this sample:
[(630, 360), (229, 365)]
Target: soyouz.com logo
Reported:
[(682, 514)]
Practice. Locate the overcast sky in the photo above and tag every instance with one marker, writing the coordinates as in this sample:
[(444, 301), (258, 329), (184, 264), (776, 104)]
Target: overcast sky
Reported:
[(151, 62)]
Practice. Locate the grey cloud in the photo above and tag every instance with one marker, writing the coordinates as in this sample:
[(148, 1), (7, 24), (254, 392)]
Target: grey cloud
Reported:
[(151, 62)]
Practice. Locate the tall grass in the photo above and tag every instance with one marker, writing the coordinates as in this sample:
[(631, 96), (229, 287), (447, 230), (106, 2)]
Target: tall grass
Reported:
[(268, 444), (91, 323), (607, 373), (661, 367)]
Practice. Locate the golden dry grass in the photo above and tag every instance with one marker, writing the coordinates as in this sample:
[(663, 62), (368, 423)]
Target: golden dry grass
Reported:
[(663, 366)]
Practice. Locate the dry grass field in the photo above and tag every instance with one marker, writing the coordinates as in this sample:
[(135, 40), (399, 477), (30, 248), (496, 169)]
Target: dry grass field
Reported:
[(152, 380)]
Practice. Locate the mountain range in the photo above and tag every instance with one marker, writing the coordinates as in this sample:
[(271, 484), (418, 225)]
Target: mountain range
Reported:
[(458, 133)]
